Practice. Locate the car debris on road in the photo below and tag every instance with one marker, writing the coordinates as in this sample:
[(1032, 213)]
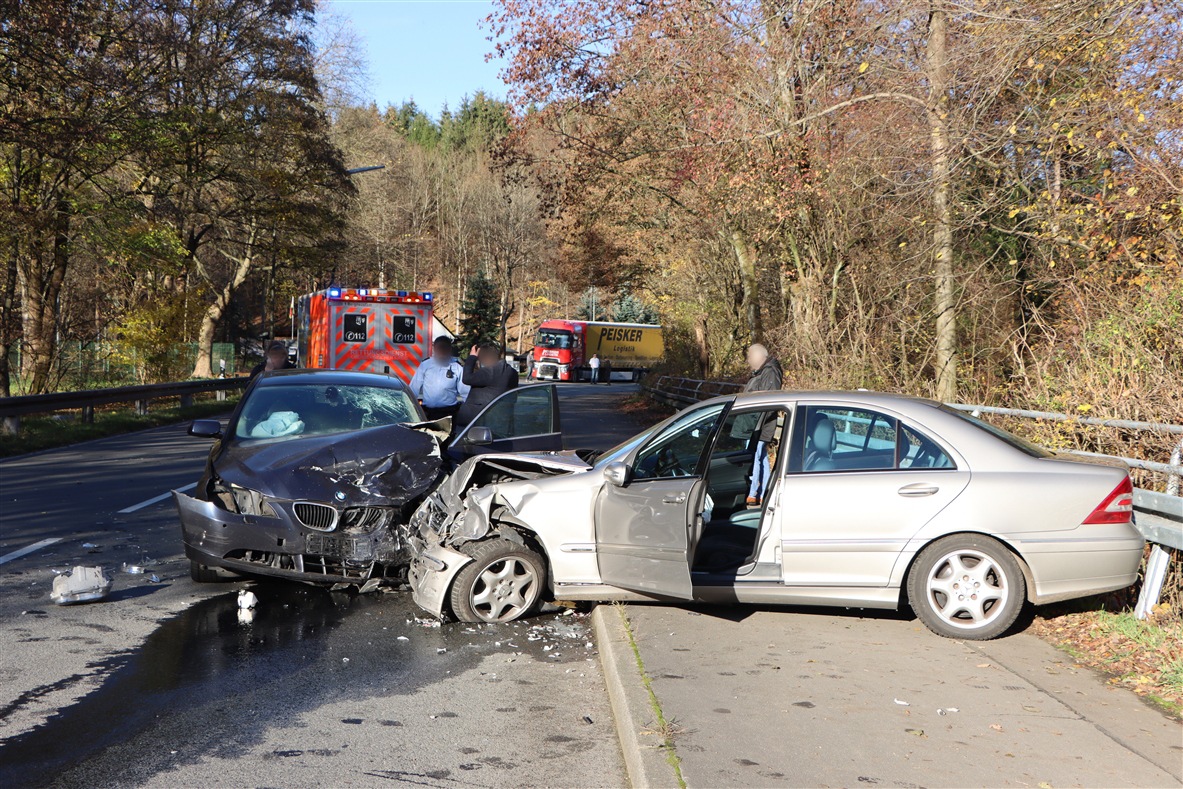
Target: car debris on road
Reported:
[(80, 585)]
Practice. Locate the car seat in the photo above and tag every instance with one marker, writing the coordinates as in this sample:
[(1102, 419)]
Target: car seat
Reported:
[(823, 440)]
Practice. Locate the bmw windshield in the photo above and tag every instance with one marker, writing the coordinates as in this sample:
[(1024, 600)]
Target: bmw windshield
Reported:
[(280, 412)]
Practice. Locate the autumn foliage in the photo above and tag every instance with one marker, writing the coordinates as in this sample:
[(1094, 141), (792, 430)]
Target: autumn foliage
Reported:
[(770, 169)]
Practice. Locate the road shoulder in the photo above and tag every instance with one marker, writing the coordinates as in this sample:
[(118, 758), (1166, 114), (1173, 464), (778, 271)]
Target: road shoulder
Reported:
[(647, 761), (813, 697)]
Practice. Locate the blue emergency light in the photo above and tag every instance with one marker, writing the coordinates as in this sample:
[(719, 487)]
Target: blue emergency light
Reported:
[(334, 293), (426, 296), (402, 294)]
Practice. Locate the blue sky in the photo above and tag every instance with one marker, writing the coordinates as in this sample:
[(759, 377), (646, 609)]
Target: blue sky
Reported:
[(430, 50)]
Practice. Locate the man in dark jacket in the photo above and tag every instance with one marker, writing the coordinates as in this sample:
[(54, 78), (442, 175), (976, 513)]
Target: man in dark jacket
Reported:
[(276, 358), (767, 376), (489, 376)]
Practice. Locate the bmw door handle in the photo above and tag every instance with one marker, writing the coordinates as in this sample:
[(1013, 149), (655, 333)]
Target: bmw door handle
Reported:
[(674, 499), (917, 490)]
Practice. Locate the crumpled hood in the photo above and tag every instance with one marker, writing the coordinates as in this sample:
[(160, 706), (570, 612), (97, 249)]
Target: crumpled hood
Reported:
[(388, 465), (460, 508)]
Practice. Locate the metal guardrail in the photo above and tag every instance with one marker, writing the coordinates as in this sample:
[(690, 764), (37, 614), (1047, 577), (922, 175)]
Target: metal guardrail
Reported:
[(13, 408), (1158, 516)]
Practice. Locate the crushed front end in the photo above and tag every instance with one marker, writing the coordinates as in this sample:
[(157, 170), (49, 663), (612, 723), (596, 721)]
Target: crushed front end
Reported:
[(317, 511), (480, 498)]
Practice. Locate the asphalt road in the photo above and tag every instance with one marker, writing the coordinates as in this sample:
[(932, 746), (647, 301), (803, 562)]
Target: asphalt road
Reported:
[(162, 684)]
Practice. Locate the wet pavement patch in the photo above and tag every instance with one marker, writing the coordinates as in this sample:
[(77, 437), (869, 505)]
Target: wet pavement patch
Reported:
[(204, 671)]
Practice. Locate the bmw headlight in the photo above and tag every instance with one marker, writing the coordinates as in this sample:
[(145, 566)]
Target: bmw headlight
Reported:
[(240, 500)]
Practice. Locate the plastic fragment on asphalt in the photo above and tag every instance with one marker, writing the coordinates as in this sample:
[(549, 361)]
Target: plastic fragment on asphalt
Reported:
[(344, 660), (402, 638), (370, 586), (80, 585), (133, 569), (441, 650), (947, 710), (153, 578), (89, 545), (902, 703), (247, 599), (588, 720)]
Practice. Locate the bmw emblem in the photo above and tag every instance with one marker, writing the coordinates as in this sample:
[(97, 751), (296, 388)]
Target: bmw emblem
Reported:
[(339, 495)]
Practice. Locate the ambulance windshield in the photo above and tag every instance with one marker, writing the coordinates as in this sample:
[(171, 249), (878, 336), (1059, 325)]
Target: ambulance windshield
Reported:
[(290, 411), (553, 338)]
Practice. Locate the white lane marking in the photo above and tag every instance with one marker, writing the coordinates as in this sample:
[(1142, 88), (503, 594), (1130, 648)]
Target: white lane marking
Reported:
[(155, 499), (28, 549)]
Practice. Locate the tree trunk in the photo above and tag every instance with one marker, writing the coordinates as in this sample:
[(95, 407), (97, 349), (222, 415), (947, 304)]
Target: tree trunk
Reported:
[(745, 256), (8, 317), (203, 368), (702, 340), (937, 62), (43, 292)]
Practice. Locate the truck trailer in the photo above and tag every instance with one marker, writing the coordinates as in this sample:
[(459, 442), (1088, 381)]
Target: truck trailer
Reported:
[(365, 330), (562, 349)]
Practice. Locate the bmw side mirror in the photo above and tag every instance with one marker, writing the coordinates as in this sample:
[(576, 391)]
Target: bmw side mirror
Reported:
[(206, 428), (478, 435), (617, 473)]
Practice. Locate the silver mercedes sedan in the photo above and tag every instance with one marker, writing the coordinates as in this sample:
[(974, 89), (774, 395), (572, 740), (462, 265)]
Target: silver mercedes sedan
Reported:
[(851, 499)]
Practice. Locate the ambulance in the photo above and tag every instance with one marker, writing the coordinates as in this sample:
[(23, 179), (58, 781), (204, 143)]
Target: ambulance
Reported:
[(364, 330), (562, 349)]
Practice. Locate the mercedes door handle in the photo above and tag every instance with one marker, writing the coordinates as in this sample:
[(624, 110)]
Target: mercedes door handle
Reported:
[(917, 490), (678, 499)]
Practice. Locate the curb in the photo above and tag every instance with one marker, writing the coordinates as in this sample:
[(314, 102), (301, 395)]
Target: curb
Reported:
[(646, 763)]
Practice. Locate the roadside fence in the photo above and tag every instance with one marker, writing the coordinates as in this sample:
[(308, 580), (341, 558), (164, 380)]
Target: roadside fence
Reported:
[(13, 408)]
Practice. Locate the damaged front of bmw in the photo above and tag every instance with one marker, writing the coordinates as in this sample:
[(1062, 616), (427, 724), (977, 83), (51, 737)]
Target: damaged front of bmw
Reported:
[(490, 501), (312, 480)]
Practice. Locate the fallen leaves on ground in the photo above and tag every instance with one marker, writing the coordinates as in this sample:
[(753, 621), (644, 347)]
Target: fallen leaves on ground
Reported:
[(1144, 656)]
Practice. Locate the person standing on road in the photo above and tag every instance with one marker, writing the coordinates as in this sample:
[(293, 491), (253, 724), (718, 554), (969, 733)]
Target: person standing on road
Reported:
[(276, 358), (438, 383), (488, 376), (606, 371), (767, 376), (594, 364)]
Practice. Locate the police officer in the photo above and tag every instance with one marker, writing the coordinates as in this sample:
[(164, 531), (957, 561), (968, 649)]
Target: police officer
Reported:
[(439, 381)]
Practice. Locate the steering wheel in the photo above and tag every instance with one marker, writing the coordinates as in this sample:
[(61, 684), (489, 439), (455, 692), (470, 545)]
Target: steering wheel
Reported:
[(668, 465)]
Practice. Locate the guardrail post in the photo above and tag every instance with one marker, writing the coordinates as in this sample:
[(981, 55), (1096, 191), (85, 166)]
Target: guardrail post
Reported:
[(11, 426), (1176, 464), (186, 401), (1156, 574), (88, 414), (142, 407)]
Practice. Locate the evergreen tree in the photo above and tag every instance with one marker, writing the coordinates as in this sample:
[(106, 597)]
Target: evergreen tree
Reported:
[(593, 305), (629, 309), (482, 312)]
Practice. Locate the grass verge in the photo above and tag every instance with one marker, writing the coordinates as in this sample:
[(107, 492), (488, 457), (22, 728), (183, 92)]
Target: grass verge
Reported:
[(664, 728), (1145, 656), (48, 432), (645, 410)]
